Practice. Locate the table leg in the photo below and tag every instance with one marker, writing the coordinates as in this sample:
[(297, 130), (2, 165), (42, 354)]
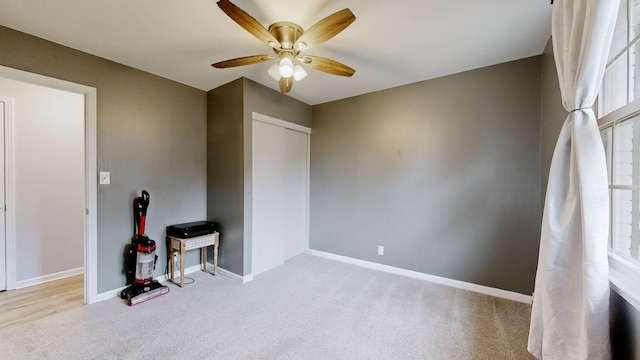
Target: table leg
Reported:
[(204, 258), (172, 263), (215, 259), (182, 251)]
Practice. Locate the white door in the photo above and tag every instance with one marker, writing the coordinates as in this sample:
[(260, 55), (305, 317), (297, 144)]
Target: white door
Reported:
[(279, 178), (295, 193), (4, 114), (268, 203)]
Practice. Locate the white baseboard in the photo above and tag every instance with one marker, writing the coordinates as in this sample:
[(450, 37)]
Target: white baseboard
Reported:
[(233, 276), (50, 277), (176, 274), (107, 295), (510, 295), (110, 294)]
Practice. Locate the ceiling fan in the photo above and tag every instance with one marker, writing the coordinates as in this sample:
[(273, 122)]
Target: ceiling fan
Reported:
[(288, 40)]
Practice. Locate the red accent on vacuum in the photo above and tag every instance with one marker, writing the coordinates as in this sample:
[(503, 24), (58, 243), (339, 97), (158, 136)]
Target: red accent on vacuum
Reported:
[(143, 222), (145, 249)]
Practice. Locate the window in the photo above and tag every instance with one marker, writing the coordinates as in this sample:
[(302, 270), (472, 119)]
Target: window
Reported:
[(622, 148), (622, 77), (619, 112)]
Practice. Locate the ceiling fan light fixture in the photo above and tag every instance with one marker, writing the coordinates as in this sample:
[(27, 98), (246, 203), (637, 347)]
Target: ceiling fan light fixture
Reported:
[(286, 68), (274, 72), (299, 73)]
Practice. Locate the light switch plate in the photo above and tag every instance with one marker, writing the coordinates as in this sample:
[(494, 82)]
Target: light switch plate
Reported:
[(105, 178)]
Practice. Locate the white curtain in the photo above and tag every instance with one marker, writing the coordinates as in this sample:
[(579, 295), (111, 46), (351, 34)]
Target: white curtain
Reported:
[(570, 315)]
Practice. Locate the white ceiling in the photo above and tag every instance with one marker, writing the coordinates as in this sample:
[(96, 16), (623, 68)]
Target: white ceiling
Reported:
[(391, 43)]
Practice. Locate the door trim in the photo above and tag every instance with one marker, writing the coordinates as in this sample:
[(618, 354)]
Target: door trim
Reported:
[(9, 218), (281, 123), (91, 202), (9, 196)]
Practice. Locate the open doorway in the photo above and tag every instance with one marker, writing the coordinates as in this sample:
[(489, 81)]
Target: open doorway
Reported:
[(52, 258)]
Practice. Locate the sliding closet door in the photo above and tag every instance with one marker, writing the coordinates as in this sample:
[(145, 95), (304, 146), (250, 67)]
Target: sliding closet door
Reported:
[(295, 193), (279, 170), (268, 200)]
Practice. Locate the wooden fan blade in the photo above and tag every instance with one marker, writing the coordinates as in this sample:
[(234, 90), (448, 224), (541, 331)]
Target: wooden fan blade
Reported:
[(327, 65), (247, 60), (248, 22), (327, 28), (285, 84)]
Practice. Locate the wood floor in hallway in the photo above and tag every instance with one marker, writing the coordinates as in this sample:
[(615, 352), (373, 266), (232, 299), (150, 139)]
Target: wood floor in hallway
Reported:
[(38, 301)]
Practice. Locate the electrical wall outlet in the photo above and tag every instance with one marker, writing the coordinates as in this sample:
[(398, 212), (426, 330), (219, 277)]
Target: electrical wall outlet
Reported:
[(105, 178), (380, 250), (175, 258)]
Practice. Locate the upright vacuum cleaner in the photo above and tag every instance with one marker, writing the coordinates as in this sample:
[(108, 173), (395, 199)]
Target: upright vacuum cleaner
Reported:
[(142, 259)]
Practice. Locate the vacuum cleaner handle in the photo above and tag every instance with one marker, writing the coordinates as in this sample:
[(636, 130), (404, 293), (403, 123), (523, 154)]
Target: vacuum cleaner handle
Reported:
[(145, 202), (140, 205)]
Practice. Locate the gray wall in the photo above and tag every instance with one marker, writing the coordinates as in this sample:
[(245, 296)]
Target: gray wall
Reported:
[(625, 319), (266, 101), (444, 173), (151, 135), (230, 109), (225, 172)]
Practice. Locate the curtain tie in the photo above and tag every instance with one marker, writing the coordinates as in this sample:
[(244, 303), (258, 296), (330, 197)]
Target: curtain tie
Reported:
[(578, 109)]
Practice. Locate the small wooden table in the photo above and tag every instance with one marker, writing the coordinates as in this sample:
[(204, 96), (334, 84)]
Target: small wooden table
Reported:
[(199, 242)]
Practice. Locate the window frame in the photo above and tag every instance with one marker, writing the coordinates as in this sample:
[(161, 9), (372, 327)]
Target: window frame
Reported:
[(624, 273)]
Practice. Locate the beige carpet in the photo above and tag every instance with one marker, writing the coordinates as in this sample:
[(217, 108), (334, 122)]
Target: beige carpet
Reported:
[(309, 308)]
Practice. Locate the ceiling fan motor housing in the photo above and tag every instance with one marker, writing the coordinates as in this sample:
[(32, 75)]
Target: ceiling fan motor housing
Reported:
[(287, 33)]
